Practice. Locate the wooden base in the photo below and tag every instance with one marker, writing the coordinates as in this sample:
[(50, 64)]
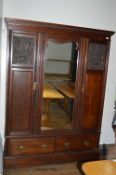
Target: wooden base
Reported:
[(26, 161)]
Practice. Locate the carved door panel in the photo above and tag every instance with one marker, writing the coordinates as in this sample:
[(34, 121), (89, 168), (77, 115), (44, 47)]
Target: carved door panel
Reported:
[(21, 79)]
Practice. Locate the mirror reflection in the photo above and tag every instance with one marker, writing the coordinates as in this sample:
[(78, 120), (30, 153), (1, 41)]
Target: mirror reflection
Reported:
[(59, 85)]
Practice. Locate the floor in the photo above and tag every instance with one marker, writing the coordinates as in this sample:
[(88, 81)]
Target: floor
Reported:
[(57, 107), (61, 169), (111, 152), (57, 118)]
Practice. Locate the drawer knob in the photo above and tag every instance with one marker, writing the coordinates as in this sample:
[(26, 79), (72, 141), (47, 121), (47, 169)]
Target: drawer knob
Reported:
[(66, 144), (44, 146), (86, 142), (21, 147)]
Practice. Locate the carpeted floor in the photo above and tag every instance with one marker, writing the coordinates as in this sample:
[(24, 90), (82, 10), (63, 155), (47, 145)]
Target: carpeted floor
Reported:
[(58, 169)]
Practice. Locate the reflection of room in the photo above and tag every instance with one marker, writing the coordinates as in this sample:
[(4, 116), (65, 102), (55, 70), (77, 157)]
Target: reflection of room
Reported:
[(59, 85)]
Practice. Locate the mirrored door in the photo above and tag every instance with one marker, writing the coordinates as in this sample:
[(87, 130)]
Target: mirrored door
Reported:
[(58, 99)]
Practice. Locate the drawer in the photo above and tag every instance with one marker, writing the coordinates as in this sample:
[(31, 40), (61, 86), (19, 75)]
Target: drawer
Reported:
[(30, 146), (77, 143)]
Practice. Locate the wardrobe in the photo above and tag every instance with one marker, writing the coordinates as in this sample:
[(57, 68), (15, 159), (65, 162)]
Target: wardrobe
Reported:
[(56, 78)]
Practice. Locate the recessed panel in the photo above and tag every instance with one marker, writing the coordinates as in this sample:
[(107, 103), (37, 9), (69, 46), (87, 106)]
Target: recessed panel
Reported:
[(96, 56), (23, 50)]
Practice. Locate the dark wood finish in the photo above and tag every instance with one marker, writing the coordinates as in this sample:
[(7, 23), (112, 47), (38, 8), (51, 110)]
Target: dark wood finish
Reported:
[(22, 102), (92, 93), (76, 143), (93, 90), (30, 146), (19, 24), (60, 157), (20, 108), (25, 143), (60, 168)]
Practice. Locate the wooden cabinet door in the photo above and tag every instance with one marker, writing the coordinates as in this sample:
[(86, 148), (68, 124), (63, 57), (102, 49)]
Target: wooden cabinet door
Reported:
[(21, 79), (93, 85)]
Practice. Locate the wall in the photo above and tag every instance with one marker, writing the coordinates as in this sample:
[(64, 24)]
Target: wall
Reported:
[(1, 156), (58, 51), (1, 10), (90, 13), (1, 148), (1, 15)]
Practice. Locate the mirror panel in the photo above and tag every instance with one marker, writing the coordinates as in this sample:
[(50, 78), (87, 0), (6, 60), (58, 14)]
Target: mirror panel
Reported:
[(60, 64)]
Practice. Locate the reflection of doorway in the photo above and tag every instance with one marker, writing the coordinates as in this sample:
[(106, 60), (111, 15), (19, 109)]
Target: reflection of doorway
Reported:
[(59, 85), (73, 63), (60, 60), (58, 57)]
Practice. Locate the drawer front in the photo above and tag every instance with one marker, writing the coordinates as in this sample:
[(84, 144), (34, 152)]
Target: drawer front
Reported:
[(30, 146), (76, 143)]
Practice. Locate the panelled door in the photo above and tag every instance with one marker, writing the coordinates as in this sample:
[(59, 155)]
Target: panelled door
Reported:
[(58, 91), (21, 82), (94, 77)]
